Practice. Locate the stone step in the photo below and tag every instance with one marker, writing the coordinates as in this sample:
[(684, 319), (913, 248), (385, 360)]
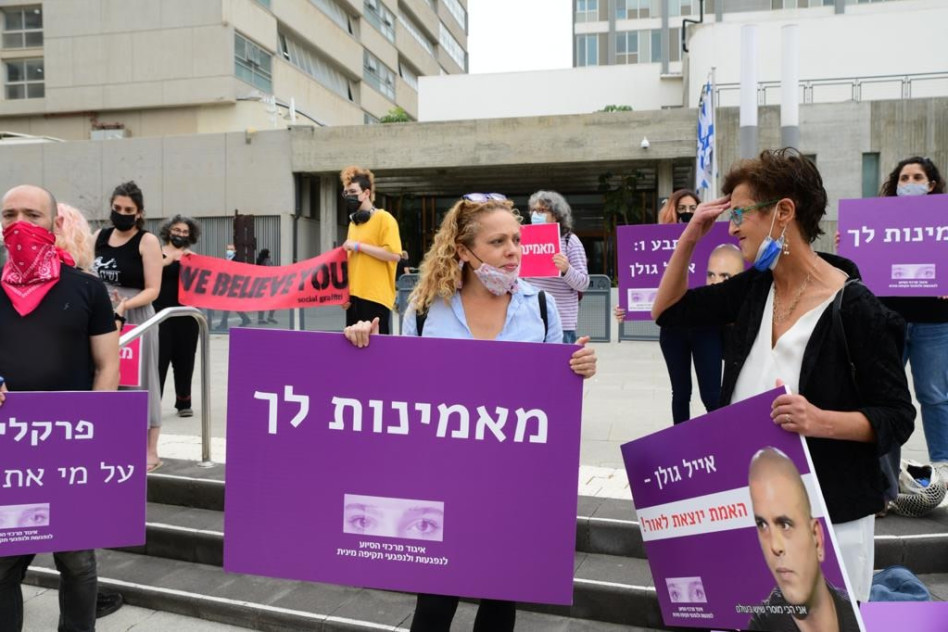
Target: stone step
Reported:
[(261, 603)]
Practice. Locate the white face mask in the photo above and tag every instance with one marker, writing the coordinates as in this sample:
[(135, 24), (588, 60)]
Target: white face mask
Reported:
[(912, 188)]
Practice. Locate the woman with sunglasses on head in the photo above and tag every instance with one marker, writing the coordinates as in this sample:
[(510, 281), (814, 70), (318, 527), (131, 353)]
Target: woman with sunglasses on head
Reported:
[(926, 334), (128, 260), (470, 289), (848, 394)]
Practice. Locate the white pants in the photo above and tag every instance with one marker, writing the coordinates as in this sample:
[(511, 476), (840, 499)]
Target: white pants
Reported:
[(856, 540)]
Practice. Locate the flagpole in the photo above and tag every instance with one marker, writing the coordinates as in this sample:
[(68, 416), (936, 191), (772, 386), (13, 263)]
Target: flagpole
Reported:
[(714, 145)]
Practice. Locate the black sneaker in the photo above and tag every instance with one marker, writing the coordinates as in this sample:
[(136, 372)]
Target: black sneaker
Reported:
[(106, 603)]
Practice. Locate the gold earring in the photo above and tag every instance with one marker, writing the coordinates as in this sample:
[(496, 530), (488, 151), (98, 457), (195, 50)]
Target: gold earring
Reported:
[(786, 247)]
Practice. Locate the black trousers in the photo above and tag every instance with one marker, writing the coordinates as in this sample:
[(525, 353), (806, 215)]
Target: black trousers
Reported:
[(434, 613), (361, 309), (177, 344)]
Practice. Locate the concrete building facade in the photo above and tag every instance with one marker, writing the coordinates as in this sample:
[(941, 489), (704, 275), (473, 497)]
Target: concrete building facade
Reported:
[(81, 69)]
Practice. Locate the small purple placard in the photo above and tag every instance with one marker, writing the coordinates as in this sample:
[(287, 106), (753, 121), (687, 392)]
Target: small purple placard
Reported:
[(710, 562), (415, 464), (899, 243), (644, 251), (917, 616), (72, 475)]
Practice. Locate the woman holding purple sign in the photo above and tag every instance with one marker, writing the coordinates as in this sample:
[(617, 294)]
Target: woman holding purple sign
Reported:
[(473, 267), (926, 333), (800, 323)]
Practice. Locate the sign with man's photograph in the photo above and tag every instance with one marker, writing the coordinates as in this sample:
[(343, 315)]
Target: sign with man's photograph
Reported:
[(342, 470), (734, 524)]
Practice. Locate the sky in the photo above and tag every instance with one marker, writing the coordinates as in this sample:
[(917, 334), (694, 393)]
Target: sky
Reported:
[(514, 35)]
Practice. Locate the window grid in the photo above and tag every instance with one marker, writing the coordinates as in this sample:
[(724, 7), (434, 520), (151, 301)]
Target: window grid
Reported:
[(23, 27), (455, 9), (409, 75), (314, 65), (252, 64), (415, 32), (25, 79), (335, 12), (452, 47), (627, 47), (378, 75), (632, 9), (587, 11), (587, 50), (381, 18)]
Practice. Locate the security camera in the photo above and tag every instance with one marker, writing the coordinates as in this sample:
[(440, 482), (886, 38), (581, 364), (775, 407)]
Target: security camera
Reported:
[(644, 144)]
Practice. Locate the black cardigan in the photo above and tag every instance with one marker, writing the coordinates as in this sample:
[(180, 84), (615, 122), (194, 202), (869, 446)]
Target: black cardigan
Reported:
[(848, 471)]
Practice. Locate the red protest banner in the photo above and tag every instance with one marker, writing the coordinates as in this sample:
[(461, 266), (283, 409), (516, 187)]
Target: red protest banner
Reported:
[(216, 283), (540, 242)]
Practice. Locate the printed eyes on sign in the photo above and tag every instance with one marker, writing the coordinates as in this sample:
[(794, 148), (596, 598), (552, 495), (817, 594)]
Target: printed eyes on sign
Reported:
[(423, 528), (34, 518), (362, 523)]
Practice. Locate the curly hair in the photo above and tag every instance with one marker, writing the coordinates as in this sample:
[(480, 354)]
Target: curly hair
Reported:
[(363, 177), (555, 203), (779, 174), (669, 212), (130, 190), (74, 236), (891, 185), (441, 268), (194, 229)]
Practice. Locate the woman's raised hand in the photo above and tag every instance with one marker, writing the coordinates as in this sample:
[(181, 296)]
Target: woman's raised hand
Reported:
[(359, 333), (705, 216)]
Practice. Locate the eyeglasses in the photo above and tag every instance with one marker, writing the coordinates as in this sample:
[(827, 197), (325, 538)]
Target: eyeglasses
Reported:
[(736, 215), (484, 197)]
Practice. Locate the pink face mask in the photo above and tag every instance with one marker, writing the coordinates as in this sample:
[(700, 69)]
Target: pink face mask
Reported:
[(497, 280)]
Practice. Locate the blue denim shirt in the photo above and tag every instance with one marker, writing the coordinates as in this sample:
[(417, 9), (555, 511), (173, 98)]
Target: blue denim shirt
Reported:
[(523, 323)]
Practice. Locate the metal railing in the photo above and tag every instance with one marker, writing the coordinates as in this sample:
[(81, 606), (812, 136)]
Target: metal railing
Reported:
[(852, 87), (198, 315)]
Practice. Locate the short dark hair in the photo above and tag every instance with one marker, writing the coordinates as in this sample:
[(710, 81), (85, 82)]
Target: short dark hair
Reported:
[(891, 186), (784, 173), (194, 229), (130, 190)]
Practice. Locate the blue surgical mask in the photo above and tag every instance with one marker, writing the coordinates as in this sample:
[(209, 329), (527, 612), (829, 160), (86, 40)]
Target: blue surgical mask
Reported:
[(769, 252), (537, 218), (912, 188), (230, 255)]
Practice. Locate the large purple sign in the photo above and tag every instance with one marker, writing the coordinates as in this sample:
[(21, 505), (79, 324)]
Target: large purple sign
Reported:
[(899, 243), (917, 616), (415, 464), (644, 251), (73, 471), (735, 527)]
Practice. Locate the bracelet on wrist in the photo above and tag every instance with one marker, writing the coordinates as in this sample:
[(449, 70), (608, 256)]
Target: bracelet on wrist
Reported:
[(121, 319), (357, 246)]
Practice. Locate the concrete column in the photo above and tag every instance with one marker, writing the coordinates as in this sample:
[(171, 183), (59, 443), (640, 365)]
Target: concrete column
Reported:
[(665, 38), (790, 87), (611, 38), (665, 183), (840, 6), (328, 203), (748, 113)]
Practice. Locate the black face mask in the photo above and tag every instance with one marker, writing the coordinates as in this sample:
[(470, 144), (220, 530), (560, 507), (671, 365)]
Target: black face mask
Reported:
[(684, 218), (352, 203), (179, 242), (123, 222)]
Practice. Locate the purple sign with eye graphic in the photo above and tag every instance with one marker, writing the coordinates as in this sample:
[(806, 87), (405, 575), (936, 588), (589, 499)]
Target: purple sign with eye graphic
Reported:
[(899, 243), (68, 460), (349, 472), (734, 524), (644, 251)]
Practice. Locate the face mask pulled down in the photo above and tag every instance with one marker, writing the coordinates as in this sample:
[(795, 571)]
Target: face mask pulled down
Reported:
[(769, 252), (497, 280)]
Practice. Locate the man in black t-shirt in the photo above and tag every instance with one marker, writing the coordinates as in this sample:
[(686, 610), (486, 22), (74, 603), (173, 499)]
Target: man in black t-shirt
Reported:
[(57, 333)]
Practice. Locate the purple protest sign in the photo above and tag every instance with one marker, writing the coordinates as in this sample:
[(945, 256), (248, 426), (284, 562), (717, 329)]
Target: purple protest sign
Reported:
[(898, 243), (644, 251), (415, 464), (917, 616), (734, 524), (73, 471)]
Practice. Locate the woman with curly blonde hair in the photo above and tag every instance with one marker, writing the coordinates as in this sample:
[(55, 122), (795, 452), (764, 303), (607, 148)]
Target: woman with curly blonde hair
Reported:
[(470, 288), (74, 235)]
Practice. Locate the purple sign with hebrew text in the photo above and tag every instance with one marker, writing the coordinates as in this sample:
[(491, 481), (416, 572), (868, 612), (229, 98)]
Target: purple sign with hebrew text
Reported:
[(72, 475), (734, 524), (899, 243), (644, 251), (414, 464)]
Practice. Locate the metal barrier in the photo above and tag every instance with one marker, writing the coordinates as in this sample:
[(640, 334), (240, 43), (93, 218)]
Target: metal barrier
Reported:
[(595, 310), (403, 289), (638, 330), (198, 315)]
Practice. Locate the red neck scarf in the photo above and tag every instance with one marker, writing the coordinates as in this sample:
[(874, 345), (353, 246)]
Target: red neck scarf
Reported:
[(33, 265)]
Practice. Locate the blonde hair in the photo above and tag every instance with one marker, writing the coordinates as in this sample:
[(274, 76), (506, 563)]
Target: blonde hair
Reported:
[(441, 268), (74, 235), (360, 176)]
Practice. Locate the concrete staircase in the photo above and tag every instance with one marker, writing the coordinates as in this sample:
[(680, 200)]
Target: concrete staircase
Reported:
[(179, 569)]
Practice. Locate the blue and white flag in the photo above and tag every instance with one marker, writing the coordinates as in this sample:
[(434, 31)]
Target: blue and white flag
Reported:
[(704, 167)]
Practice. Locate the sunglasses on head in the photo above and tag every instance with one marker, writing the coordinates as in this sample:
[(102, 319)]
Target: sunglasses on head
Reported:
[(484, 197)]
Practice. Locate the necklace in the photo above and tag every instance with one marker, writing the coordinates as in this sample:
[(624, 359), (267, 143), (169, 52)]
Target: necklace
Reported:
[(782, 315)]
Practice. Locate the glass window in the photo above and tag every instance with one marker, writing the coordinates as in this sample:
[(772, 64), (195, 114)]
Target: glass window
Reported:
[(265, 3), (378, 75), (656, 36), (335, 12), (252, 64), (415, 32), (627, 47), (315, 65), (453, 48), (23, 27), (587, 11), (378, 15), (631, 9), (870, 175), (455, 9), (25, 79), (409, 75), (587, 50)]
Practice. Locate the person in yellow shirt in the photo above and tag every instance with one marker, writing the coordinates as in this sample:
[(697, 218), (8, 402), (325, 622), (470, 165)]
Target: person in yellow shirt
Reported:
[(374, 249)]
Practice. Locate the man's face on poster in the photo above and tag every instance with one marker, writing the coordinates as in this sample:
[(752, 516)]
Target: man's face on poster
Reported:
[(790, 539)]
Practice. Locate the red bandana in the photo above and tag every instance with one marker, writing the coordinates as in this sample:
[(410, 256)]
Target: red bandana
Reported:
[(33, 265)]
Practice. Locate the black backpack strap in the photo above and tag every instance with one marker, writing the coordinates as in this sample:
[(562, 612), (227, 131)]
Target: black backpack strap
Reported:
[(541, 296), (420, 318)]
